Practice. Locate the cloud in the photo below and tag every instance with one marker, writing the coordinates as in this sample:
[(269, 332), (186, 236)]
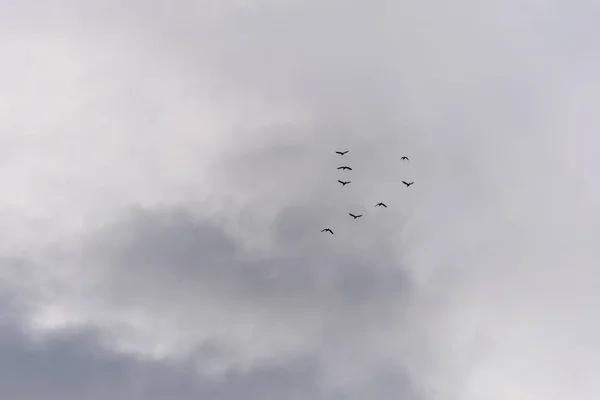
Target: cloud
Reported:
[(167, 285), (167, 171), (71, 366)]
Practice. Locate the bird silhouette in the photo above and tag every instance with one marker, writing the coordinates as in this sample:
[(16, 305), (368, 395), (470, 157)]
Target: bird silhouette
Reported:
[(327, 230), (343, 183), (345, 167), (405, 158), (341, 153), (407, 183), (380, 204), (355, 216)]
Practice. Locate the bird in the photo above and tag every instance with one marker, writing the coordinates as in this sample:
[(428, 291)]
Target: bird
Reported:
[(355, 216), (405, 158), (341, 153), (343, 183), (345, 167), (380, 204), (407, 183), (327, 230)]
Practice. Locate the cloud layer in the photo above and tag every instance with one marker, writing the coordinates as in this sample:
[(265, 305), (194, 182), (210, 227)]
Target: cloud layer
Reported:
[(168, 170)]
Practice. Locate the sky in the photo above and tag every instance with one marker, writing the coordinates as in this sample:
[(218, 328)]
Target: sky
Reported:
[(167, 170)]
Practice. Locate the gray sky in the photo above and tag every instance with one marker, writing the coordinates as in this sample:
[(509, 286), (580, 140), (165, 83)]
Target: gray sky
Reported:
[(167, 169)]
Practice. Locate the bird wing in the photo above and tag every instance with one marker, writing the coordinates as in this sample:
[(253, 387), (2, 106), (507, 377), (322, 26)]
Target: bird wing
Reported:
[(406, 183), (340, 167), (352, 215), (358, 216), (340, 182)]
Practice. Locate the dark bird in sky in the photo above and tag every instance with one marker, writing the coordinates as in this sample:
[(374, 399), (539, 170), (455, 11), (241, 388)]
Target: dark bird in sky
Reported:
[(407, 183), (355, 216), (344, 167), (327, 230), (343, 183), (341, 153), (380, 204), (405, 158)]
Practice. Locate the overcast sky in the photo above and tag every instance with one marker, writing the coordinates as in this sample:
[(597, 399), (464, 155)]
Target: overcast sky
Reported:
[(167, 167)]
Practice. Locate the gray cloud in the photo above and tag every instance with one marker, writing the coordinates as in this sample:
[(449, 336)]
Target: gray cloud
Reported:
[(169, 193), (304, 298), (72, 366)]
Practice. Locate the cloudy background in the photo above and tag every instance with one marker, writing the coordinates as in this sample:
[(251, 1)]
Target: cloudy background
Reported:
[(167, 168)]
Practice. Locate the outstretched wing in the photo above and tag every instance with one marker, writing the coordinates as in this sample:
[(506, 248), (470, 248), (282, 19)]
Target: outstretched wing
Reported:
[(340, 182), (406, 183)]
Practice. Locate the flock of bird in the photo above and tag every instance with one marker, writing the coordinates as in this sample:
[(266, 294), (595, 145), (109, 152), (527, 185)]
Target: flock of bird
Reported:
[(344, 183)]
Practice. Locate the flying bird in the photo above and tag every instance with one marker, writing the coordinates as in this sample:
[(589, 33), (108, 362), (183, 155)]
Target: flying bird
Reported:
[(407, 183), (355, 216), (344, 167), (380, 204), (405, 158), (327, 230), (341, 153), (343, 183)]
